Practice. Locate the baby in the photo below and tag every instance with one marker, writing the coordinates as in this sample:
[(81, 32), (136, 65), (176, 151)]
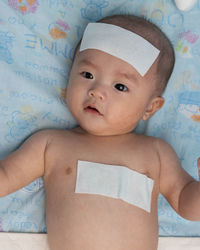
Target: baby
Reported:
[(102, 180)]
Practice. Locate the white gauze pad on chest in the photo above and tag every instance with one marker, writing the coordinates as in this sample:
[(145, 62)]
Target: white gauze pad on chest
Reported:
[(113, 181), (120, 43)]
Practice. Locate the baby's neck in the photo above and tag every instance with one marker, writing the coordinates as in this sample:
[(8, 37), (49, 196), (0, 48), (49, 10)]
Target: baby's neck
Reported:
[(103, 140), (80, 130)]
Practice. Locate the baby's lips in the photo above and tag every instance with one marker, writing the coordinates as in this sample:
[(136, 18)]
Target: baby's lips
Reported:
[(92, 108)]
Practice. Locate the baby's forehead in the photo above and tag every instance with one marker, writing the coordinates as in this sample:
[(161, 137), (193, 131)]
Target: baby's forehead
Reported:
[(120, 43), (97, 58)]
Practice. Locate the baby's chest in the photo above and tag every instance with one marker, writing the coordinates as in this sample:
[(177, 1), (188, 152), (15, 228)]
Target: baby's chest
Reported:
[(100, 175), (108, 161)]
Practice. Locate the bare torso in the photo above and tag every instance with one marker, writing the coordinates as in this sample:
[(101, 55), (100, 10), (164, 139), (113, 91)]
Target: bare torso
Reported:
[(94, 222)]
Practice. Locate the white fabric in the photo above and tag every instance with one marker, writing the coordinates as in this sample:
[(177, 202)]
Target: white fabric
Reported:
[(185, 5), (23, 241), (28, 241), (120, 43), (114, 181)]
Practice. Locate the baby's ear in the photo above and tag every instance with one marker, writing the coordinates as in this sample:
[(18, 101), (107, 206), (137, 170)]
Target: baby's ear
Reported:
[(153, 107), (64, 93)]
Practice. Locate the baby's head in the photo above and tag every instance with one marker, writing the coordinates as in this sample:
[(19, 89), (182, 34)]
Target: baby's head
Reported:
[(120, 69)]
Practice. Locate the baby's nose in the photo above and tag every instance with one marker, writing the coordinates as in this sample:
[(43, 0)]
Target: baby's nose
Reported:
[(97, 92)]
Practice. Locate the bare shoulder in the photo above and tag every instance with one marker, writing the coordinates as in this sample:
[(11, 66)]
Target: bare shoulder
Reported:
[(149, 143), (40, 141), (143, 152), (165, 151), (56, 140), (49, 135), (155, 144)]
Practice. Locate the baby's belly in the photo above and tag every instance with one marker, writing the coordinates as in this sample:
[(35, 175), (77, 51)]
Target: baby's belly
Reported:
[(94, 222)]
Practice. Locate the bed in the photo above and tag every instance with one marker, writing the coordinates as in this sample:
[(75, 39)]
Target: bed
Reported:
[(37, 42)]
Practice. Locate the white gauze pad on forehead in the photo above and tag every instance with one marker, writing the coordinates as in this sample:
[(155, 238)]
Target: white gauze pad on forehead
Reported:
[(113, 181), (120, 43)]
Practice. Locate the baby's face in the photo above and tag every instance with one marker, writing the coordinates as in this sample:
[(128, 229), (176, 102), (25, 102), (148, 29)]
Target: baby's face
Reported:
[(106, 95)]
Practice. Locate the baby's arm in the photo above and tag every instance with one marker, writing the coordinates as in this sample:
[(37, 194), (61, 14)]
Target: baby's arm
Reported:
[(178, 187), (24, 165)]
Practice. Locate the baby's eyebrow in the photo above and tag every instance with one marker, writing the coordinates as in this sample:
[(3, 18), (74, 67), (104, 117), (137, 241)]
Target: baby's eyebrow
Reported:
[(87, 62), (129, 76)]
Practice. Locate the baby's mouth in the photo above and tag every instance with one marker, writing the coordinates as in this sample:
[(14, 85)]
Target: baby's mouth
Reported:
[(92, 110)]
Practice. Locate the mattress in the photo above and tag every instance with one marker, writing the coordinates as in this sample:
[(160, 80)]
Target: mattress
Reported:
[(24, 241)]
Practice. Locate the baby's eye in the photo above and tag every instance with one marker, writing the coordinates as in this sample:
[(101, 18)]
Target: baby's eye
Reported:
[(87, 75), (121, 87)]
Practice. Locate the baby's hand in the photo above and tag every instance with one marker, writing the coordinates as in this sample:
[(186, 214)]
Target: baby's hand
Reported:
[(185, 5), (198, 166)]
